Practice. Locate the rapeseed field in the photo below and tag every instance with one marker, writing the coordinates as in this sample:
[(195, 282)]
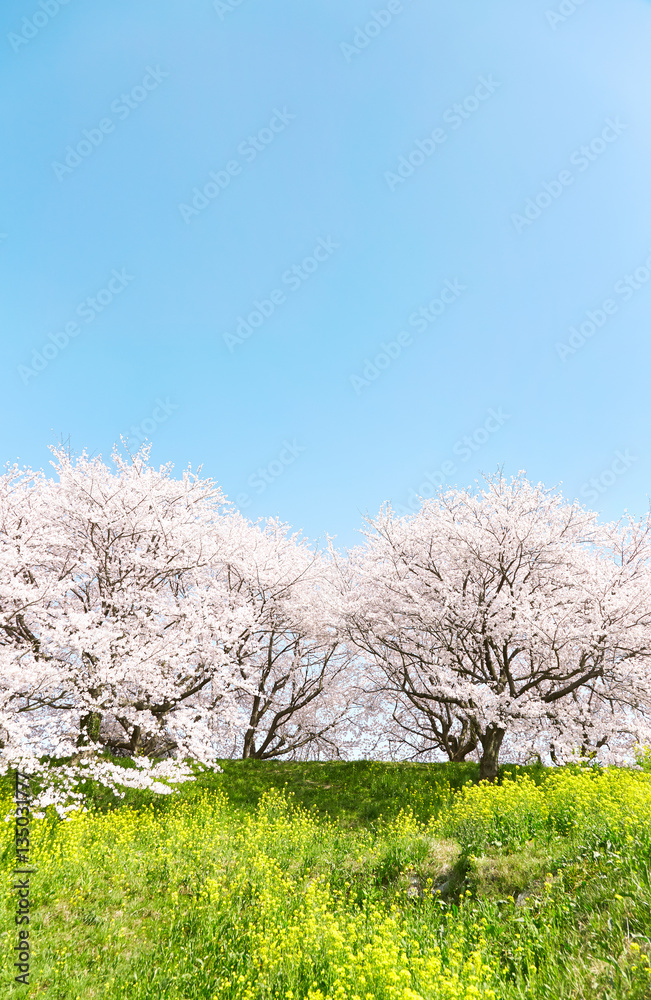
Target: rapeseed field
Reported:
[(346, 881)]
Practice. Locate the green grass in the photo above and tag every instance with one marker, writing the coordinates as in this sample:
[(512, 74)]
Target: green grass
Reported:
[(286, 881), (354, 793)]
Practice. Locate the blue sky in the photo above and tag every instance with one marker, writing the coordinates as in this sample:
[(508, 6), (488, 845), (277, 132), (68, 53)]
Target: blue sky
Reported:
[(413, 203)]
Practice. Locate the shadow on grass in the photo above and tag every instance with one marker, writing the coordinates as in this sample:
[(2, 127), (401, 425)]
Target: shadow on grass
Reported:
[(354, 793)]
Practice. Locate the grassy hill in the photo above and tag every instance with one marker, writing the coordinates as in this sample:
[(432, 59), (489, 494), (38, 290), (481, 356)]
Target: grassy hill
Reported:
[(345, 881)]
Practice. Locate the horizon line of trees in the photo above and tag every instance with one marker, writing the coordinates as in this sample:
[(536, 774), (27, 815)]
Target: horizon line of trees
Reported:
[(145, 615)]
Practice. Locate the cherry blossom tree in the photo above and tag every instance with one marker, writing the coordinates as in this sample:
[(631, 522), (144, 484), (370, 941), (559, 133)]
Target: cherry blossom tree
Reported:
[(608, 715), (143, 615), (293, 673), (106, 635), (501, 611)]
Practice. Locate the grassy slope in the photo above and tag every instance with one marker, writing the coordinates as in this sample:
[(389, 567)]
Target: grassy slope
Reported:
[(291, 862)]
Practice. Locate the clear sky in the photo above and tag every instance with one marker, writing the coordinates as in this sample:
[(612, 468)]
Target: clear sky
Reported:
[(333, 251)]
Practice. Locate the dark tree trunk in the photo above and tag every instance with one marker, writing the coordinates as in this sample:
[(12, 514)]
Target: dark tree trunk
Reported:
[(491, 742), (458, 747), (135, 742), (89, 728), (458, 755), (248, 750)]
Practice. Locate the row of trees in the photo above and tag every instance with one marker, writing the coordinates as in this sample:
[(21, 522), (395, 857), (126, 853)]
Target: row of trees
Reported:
[(142, 614)]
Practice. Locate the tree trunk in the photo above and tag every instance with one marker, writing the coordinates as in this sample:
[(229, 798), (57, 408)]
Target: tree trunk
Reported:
[(89, 728), (459, 754), (135, 743), (491, 742), (458, 746), (248, 750)]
